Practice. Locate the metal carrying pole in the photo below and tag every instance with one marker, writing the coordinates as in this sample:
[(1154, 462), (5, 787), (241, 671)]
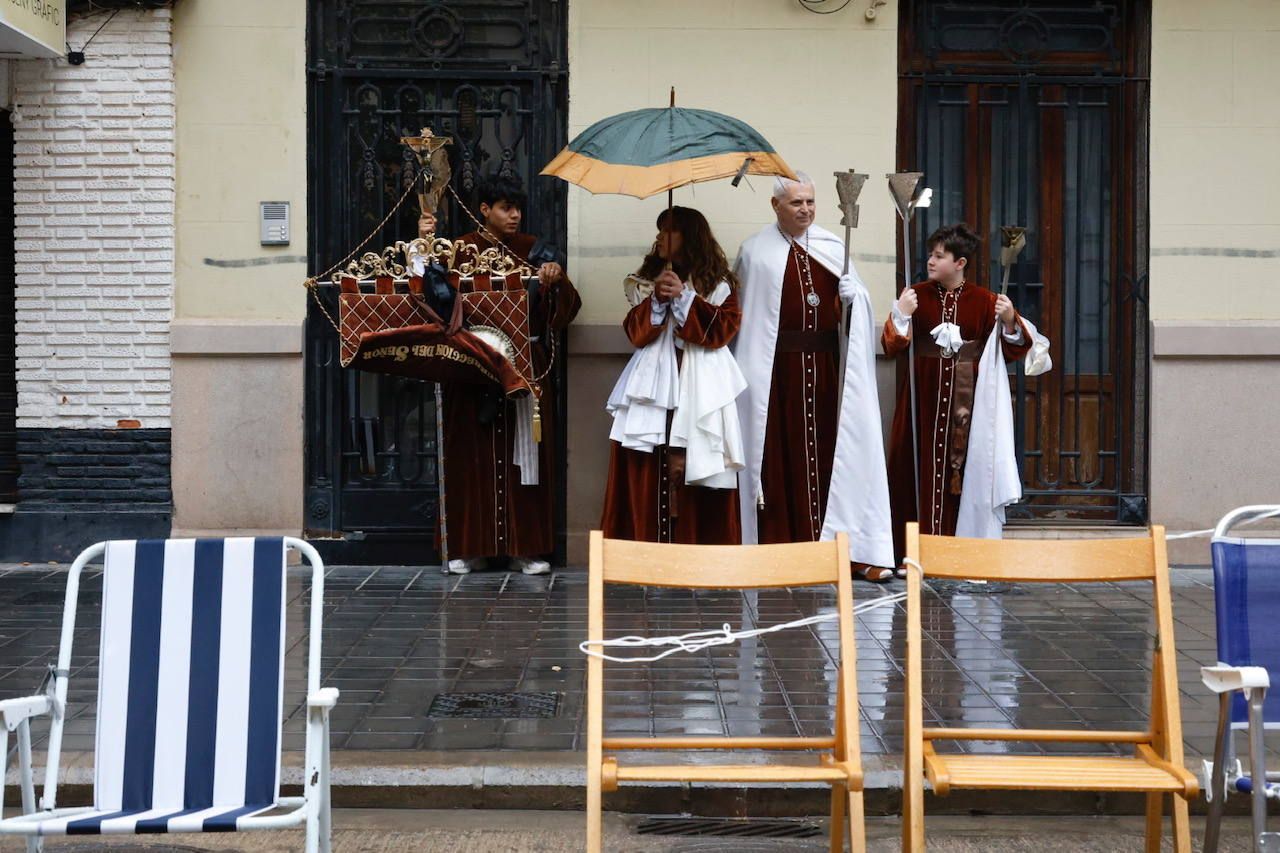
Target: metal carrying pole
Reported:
[(848, 188), (903, 188), (442, 512), (434, 162)]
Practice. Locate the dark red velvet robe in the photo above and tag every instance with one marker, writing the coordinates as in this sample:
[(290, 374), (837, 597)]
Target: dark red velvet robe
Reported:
[(489, 512), (944, 405), (804, 401), (646, 497)]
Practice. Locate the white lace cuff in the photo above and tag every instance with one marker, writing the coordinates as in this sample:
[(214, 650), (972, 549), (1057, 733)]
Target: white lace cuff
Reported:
[(680, 305), (901, 322), (657, 312)]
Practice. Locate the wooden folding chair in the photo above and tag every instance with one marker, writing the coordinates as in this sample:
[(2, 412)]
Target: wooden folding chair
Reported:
[(1156, 767), (728, 567)]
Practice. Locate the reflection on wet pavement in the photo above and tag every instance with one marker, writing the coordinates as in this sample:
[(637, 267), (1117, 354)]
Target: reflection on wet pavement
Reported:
[(1028, 656)]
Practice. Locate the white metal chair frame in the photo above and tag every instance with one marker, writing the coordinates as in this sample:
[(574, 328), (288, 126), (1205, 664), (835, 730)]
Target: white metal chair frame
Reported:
[(1222, 775), (312, 809)]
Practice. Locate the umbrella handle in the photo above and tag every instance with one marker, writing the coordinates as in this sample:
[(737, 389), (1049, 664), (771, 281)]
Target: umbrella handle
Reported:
[(671, 192)]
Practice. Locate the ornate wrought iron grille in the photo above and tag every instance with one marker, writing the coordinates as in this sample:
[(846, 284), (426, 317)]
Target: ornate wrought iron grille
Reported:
[(492, 76), (1037, 36), (1008, 135)]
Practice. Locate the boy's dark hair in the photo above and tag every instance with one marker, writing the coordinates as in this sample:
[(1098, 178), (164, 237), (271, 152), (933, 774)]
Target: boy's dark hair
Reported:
[(957, 239), (498, 188)]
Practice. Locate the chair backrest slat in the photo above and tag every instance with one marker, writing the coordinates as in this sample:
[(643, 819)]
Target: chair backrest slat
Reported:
[(190, 683), (1038, 560), (719, 566)]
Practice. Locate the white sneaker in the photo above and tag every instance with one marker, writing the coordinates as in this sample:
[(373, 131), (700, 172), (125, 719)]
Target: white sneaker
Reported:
[(530, 566), (465, 566)]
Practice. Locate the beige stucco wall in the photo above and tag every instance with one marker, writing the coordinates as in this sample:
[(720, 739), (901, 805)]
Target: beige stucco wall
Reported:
[(1215, 131), (1211, 445), (237, 351), (1215, 257), (242, 139)]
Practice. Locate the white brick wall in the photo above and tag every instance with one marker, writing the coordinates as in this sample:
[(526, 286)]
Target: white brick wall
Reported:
[(94, 216)]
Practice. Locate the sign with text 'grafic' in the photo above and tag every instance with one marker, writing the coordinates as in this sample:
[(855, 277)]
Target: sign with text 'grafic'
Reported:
[(33, 28)]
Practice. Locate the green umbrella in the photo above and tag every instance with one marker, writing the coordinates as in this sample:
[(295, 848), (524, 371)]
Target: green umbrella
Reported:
[(645, 152)]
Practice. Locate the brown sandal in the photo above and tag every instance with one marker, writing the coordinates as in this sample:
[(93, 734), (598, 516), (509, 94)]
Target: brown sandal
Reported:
[(873, 574)]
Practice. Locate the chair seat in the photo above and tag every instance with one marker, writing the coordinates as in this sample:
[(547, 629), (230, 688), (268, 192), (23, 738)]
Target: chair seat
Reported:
[(731, 773), (92, 822), (1048, 773)]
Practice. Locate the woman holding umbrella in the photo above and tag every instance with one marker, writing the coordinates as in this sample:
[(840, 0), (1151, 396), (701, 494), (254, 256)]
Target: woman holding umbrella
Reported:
[(676, 445)]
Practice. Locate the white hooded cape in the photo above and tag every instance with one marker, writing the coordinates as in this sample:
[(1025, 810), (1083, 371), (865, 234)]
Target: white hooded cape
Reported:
[(858, 500)]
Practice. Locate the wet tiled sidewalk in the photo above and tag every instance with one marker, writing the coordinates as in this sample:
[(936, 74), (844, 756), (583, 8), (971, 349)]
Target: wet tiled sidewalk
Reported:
[(1032, 656)]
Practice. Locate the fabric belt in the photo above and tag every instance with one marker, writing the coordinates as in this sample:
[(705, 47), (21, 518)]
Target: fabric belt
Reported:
[(963, 382), (928, 348), (812, 341), (966, 372)]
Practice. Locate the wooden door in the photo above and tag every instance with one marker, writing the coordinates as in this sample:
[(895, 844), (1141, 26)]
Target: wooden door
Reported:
[(1035, 114)]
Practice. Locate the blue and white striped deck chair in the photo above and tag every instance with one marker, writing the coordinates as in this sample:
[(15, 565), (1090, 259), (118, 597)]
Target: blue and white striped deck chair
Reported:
[(190, 691), (1246, 589)]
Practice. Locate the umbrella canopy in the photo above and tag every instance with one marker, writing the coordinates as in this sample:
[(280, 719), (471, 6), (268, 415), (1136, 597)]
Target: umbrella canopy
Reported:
[(646, 152)]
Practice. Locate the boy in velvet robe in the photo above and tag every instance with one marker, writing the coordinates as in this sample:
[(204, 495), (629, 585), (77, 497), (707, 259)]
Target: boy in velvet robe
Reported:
[(950, 318)]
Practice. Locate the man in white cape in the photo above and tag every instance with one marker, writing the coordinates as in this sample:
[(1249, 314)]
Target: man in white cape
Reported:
[(810, 419)]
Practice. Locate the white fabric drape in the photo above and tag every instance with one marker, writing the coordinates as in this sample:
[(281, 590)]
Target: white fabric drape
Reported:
[(991, 478), (706, 420), (702, 390)]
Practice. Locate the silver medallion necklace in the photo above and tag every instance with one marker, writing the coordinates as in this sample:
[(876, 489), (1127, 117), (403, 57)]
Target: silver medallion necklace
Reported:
[(804, 272)]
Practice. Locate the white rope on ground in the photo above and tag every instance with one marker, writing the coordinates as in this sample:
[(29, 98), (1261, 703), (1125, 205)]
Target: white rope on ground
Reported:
[(1208, 531), (696, 641)]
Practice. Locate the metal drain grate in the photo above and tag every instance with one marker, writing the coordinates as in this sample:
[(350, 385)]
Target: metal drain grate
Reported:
[(728, 828), (749, 845), (495, 706)]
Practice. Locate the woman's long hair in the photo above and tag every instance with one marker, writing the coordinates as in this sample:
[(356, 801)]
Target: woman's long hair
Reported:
[(700, 259)]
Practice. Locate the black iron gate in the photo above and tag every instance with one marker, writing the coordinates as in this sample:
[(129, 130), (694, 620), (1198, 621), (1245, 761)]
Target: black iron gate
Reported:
[(1035, 113), (491, 75)]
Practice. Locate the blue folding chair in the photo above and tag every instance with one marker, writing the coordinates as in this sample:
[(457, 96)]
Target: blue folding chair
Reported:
[(190, 694), (1246, 589)]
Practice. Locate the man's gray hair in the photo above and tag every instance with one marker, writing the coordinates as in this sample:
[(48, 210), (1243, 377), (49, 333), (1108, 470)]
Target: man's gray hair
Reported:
[(781, 185)]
